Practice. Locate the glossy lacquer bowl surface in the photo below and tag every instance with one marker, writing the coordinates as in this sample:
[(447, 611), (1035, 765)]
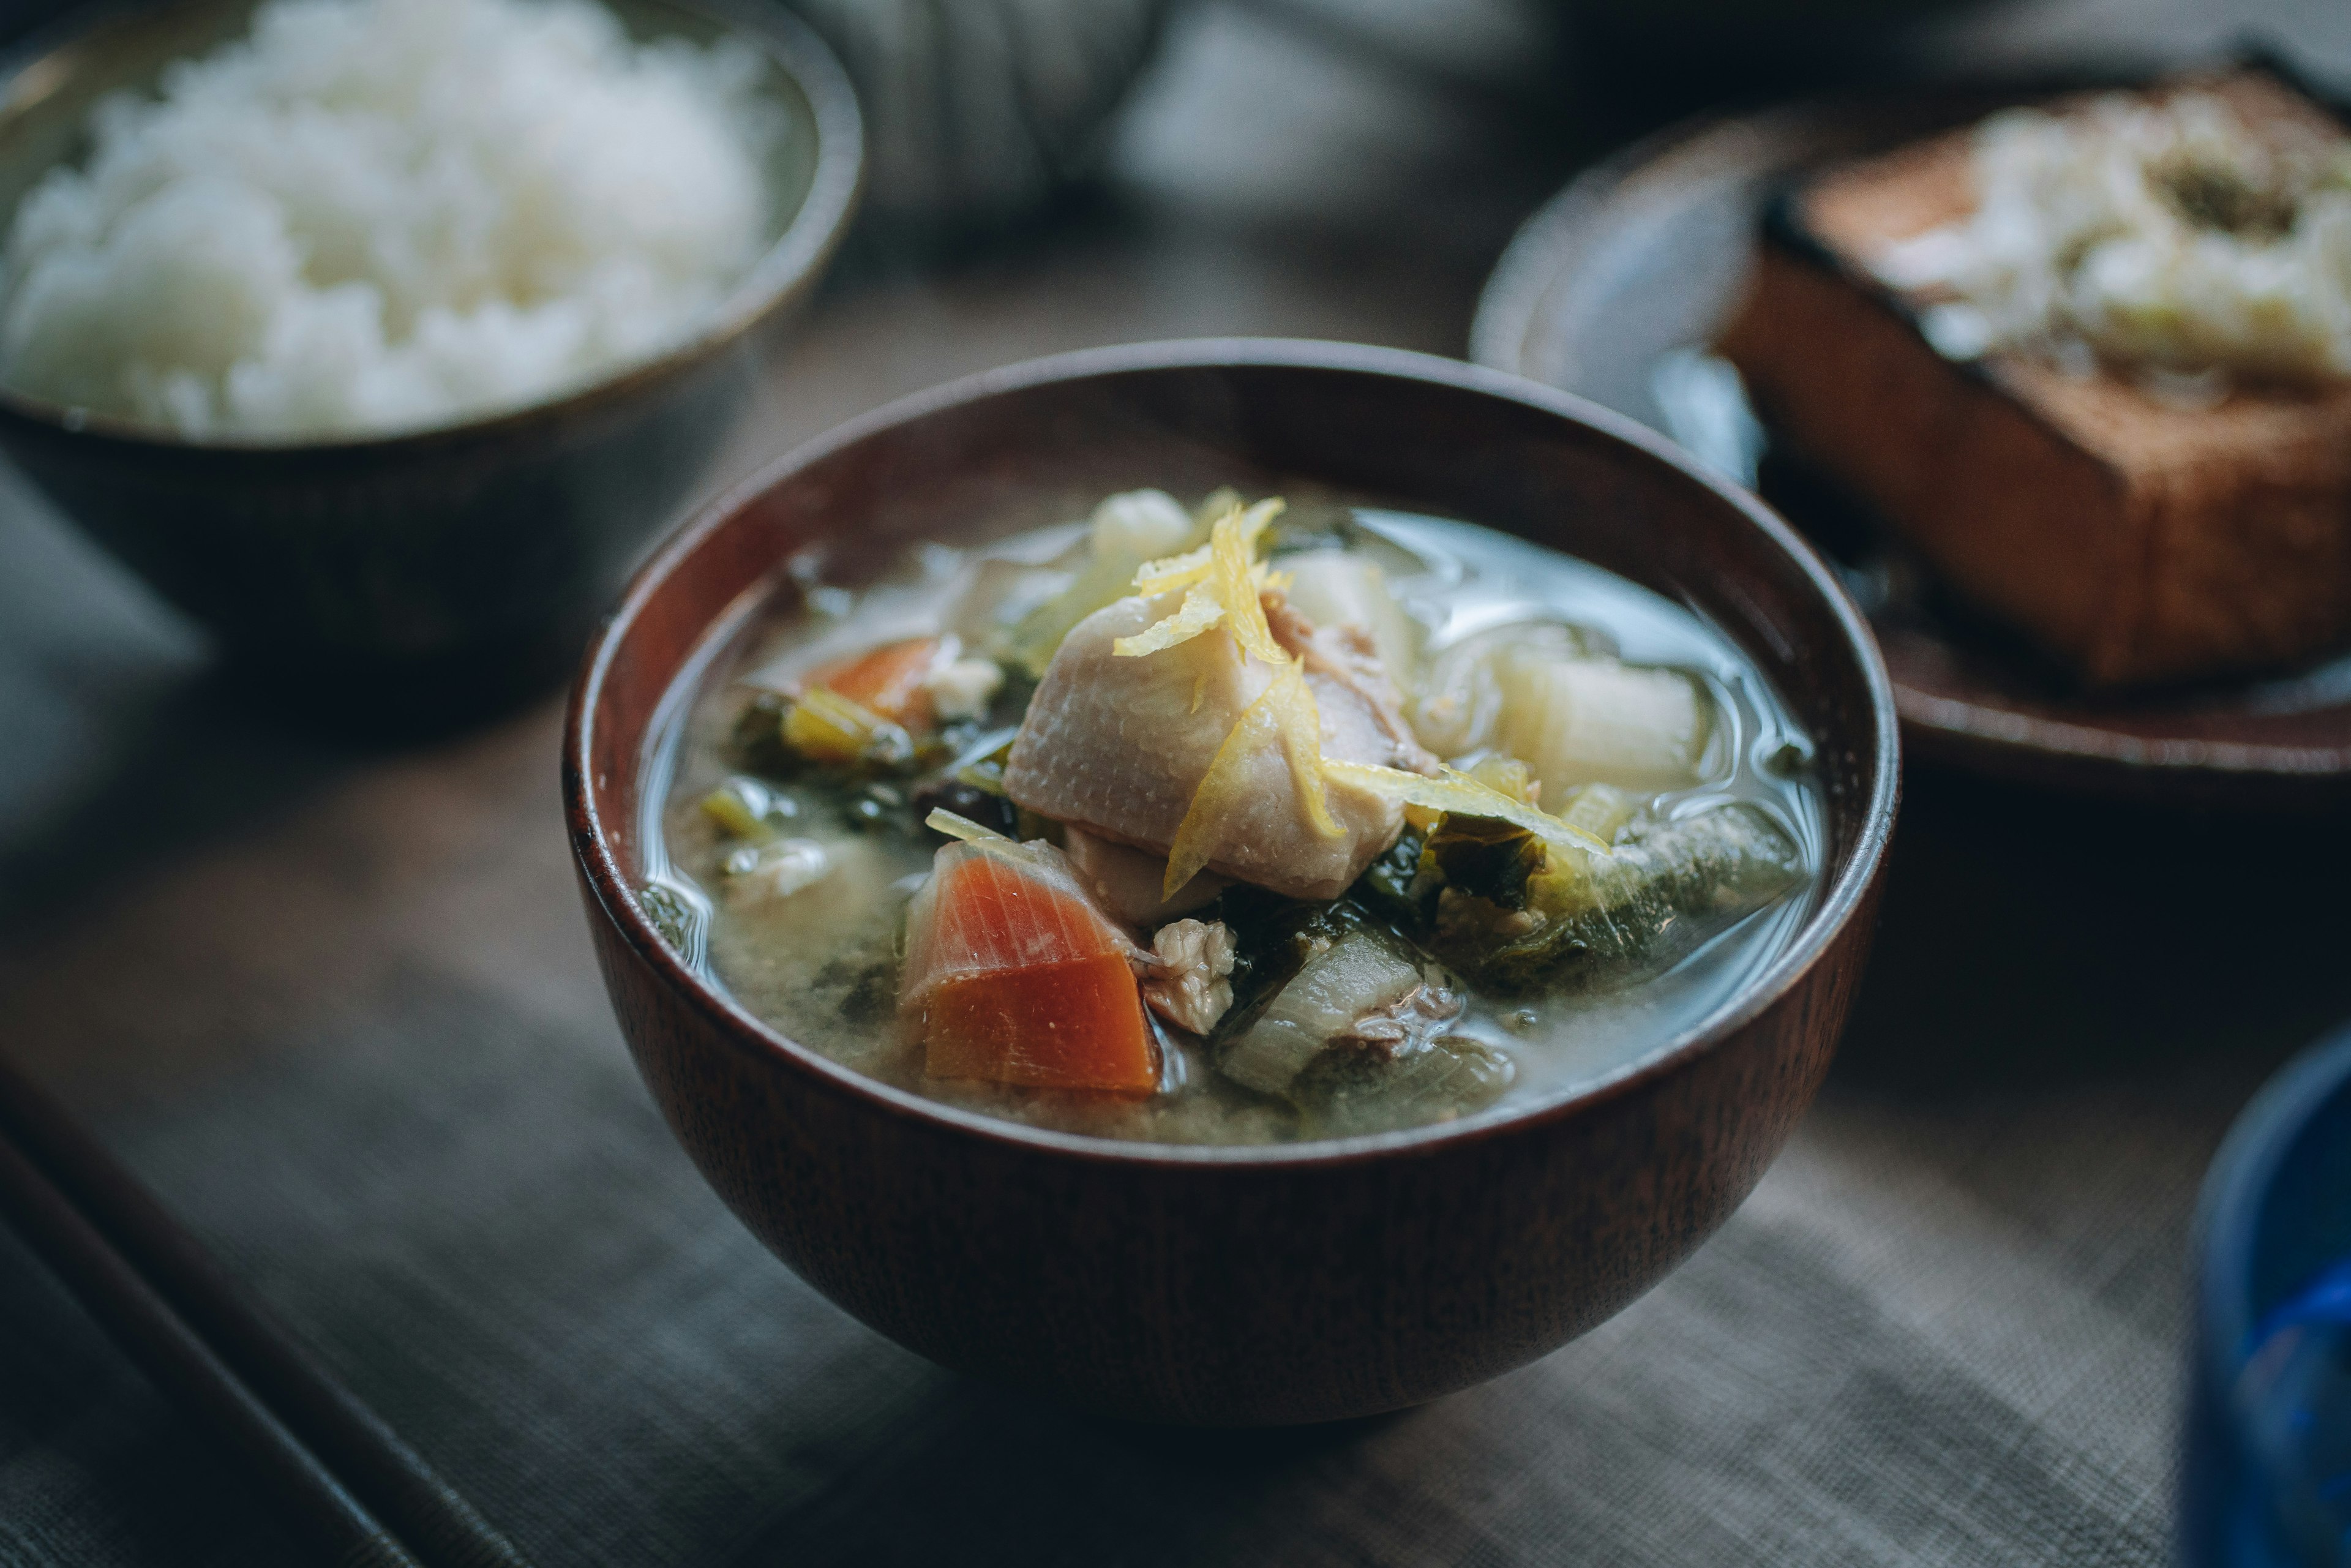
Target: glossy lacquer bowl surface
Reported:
[(1238, 1286), (445, 568)]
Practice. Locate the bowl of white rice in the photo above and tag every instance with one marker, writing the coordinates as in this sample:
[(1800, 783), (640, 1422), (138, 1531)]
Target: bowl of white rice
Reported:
[(380, 335)]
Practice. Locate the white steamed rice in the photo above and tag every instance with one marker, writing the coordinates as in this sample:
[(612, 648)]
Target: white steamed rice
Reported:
[(379, 214)]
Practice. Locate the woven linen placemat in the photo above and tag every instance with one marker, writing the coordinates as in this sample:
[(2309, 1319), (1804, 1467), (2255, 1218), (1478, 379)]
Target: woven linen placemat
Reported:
[(338, 1009)]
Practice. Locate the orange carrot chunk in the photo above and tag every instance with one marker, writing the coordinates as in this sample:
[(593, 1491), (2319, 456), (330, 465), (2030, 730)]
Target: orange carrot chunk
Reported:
[(1013, 976), (1065, 1026), (887, 680)]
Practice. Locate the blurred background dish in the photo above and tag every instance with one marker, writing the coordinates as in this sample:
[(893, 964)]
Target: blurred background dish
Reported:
[(429, 576), (1614, 288), (1761, 34), (2266, 1482), (976, 111)]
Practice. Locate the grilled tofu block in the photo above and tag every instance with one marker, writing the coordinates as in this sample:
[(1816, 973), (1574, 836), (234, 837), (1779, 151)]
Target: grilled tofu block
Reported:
[(2137, 539)]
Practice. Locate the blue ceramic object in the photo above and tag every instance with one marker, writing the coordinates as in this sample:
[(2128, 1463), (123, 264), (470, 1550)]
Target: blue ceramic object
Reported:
[(2266, 1481)]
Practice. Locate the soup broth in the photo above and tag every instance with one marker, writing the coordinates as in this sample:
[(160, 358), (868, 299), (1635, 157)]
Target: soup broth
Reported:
[(1457, 821)]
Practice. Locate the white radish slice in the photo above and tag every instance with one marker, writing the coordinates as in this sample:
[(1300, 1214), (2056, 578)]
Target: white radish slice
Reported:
[(1595, 721)]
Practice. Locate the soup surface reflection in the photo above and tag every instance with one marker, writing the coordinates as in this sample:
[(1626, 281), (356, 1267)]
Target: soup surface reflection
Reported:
[(1231, 823)]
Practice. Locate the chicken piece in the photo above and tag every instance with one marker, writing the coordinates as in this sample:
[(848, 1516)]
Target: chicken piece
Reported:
[(1191, 988), (1343, 588), (1128, 880), (1405, 1025), (1346, 656), (1118, 745)]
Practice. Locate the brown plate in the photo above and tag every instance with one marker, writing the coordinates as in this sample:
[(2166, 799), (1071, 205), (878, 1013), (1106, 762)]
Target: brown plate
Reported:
[(1609, 288), (1236, 1285)]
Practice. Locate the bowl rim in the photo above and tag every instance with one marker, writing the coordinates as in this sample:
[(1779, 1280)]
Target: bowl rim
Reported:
[(1841, 900), (797, 254)]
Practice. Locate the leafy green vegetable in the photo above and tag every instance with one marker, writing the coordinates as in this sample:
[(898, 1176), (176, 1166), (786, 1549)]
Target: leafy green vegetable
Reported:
[(756, 741), (1481, 856), (1393, 887), (1484, 856), (1345, 1093), (1338, 1014), (1668, 887)]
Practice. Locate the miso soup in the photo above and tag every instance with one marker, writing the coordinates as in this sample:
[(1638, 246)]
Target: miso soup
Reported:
[(1230, 822)]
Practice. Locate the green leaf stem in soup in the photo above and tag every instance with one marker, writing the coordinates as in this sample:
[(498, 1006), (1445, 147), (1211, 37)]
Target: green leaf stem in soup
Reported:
[(1210, 821)]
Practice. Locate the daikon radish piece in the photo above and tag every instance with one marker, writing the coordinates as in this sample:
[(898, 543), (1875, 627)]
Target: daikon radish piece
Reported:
[(1013, 976), (1140, 524), (1456, 702), (1595, 721)]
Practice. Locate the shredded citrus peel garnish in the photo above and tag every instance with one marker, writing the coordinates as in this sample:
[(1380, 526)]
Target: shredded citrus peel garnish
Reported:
[(1169, 573), (1238, 581), (957, 826), (1457, 792), (1200, 612), (985, 840), (1224, 584), (1284, 714), (1300, 723), (1223, 578)]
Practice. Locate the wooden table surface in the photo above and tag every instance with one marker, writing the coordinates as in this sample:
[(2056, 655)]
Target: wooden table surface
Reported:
[(326, 996)]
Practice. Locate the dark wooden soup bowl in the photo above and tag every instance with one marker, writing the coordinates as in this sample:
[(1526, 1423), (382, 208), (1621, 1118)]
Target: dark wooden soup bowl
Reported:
[(1236, 1286)]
